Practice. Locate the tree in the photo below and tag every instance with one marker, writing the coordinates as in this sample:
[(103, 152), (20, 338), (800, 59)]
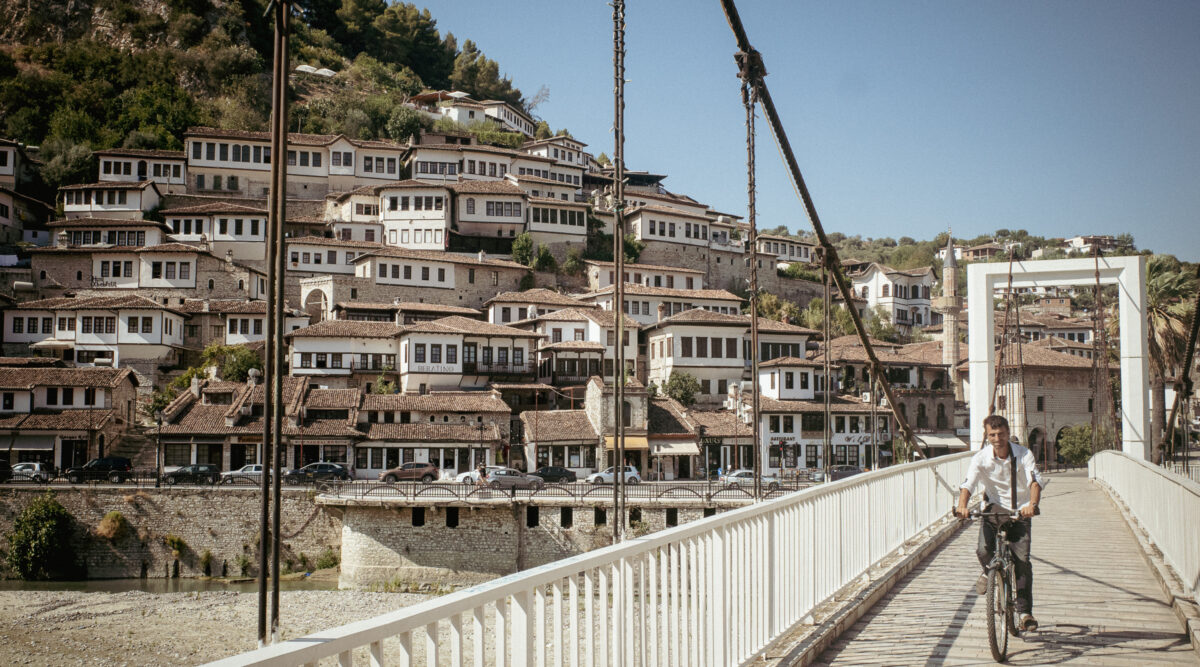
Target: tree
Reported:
[(544, 260), (602, 159), (880, 326), (573, 265), (682, 387), (1075, 444), (775, 308), (405, 122), (1169, 295), (633, 248), (542, 131), (522, 249), (39, 545), (383, 385), (480, 76)]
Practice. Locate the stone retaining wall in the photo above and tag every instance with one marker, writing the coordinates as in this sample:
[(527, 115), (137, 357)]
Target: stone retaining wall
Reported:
[(223, 522), (380, 544)]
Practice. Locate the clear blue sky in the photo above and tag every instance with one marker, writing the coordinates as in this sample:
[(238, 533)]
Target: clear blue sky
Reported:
[(1060, 118)]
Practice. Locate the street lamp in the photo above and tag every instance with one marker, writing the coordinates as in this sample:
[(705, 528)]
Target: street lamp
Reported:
[(158, 419)]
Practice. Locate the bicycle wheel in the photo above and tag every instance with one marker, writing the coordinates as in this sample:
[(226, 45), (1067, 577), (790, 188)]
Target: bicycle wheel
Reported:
[(1010, 594), (997, 615)]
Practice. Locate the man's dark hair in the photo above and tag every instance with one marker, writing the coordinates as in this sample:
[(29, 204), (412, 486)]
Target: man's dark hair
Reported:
[(995, 421)]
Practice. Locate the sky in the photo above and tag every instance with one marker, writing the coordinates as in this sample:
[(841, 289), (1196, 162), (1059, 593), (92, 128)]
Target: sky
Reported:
[(1062, 117)]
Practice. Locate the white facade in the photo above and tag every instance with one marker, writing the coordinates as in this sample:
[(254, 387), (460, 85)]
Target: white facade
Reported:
[(139, 331), (168, 169), (905, 295), (711, 353), (641, 303), (109, 200), (786, 250), (415, 215)]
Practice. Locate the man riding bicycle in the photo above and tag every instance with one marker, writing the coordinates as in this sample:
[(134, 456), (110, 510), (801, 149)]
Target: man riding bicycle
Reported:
[(994, 468)]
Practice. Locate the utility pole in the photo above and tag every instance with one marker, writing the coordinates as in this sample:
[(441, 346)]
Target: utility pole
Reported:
[(618, 208)]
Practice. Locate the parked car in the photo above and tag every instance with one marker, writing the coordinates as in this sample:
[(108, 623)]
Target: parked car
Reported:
[(606, 476), (316, 472), (33, 472), (116, 469), (248, 473), (472, 476), (843, 471), (555, 474), (425, 472), (197, 473), (511, 478), (744, 479)]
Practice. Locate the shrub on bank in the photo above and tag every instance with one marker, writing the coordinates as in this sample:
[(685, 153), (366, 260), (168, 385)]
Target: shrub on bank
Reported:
[(39, 545)]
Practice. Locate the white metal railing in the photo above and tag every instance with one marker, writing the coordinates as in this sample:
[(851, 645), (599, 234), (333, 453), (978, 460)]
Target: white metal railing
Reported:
[(1166, 503), (712, 592)]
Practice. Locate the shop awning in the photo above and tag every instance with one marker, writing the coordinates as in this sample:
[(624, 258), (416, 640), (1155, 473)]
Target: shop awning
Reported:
[(38, 442), (53, 344), (631, 442), (679, 447), (948, 441)]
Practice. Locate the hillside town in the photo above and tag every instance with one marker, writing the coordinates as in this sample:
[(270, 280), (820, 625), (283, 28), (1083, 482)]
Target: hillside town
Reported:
[(451, 303)]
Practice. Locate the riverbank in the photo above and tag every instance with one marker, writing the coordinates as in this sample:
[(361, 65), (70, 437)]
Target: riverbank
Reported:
[(138, 628)]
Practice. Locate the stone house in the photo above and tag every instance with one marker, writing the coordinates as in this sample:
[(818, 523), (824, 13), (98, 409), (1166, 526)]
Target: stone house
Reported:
[(167, 169), (64, 416), (22, 218), (110, 199)]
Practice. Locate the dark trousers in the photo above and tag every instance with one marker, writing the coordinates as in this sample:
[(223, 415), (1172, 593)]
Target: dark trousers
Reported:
[(1018, 534)]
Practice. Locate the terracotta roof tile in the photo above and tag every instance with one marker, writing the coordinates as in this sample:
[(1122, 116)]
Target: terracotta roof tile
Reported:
[(27, 378), (332, 398), (439, 256), (66, 420), (111, 223), (667, 418), (139, 152), (95, 303), (721, 424), (347, 329), (438, 401), (434, 434), (111, 185), (644, 290), (645, 267), (538, 295), (485, 188), (557, 426)]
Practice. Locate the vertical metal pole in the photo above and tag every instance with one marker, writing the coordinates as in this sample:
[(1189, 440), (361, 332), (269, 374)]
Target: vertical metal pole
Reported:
[(619, 266), (748, 101), (278, 164), (828, 382), (273, 380)]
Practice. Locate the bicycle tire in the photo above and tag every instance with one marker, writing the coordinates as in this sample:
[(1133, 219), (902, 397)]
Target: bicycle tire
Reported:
[(1014, 627), (997, 614)]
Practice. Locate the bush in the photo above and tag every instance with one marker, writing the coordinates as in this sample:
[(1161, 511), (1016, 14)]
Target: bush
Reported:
[(206, 560), (527, 282), (1075, 444), (175, 543), (573, 265), (682, 387), (544, 261), (522, 249), (244, 564), (328, 558), (113, 526), (39, 545)]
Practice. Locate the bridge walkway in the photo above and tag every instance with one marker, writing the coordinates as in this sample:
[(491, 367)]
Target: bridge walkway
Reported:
[(1095, 597)]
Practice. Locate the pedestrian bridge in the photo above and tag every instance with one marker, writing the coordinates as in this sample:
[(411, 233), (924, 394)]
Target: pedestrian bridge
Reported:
[(868, 570)]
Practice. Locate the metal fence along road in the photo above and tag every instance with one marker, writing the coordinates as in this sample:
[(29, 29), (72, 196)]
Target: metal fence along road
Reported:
[(1165, 503), (712, 592)]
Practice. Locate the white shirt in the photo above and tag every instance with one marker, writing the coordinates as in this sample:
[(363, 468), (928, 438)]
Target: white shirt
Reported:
[(995, 475)]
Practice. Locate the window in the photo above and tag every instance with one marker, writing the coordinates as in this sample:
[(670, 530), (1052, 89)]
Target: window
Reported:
[(156, 270), (419, 353), (51, 395), (686, 342), (133, 325)]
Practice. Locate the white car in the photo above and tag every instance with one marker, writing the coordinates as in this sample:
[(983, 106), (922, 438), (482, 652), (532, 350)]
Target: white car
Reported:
[(744, 479), (31, 472), (245, 474), (607, 476), (472, 476)]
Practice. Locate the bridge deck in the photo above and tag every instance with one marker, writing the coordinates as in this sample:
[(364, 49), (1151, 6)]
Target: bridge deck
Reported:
[(1094, 596)]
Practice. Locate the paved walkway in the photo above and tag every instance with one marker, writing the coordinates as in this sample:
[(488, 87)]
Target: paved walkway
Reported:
[(1096, 599)]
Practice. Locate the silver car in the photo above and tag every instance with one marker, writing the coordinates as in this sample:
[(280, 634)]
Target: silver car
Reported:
[(251, 473), (744, 479), (32, 472), (511, 478)]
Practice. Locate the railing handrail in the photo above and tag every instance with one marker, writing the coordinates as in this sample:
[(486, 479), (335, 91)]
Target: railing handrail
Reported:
[(361, 633), (1164, 502)]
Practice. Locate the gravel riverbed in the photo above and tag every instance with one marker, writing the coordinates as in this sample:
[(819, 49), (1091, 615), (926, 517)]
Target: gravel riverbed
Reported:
[(137, 628)]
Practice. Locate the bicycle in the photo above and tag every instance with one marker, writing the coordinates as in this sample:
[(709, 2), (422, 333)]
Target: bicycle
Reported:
[(1002, 617)]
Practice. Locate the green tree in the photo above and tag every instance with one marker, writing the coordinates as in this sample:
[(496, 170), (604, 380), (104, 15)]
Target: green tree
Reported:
[(1170, 293), (1075, 444), (383, 385), (633, 248), (879, 325), (522, 249), (480, 76), (683, 387), (542, 131), (602, 159), (573, 265), (776, 308), (40, 545), (544, 260), (405, 122)]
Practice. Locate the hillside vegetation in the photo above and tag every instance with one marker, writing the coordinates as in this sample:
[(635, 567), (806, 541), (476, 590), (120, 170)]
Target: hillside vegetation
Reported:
[(82, 75)]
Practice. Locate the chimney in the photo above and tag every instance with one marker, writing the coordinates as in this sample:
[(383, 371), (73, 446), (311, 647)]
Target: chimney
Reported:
[(482, 255), (195, 388), (252, 377), (229, 257), (205, 306), (662, 308)]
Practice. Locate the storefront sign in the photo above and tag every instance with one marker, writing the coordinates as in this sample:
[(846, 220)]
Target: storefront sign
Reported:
[(711, 441), (433, 368)]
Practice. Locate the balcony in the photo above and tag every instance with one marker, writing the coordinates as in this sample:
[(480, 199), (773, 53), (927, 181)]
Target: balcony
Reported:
[(470, 368)]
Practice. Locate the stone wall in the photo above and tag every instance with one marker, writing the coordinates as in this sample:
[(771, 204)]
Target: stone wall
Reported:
[(224, 522), (381, 545)]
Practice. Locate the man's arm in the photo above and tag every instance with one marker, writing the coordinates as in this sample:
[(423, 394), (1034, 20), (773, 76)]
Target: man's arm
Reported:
[(964, 495), (1035, 496)]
